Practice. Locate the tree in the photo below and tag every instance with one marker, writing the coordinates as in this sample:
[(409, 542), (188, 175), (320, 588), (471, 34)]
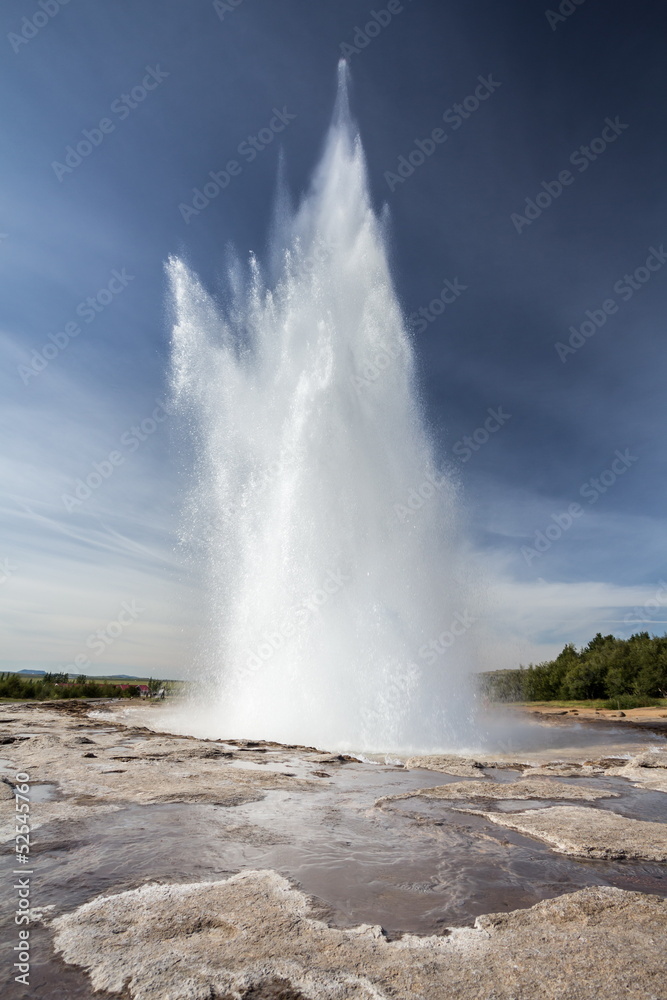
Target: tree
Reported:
[(608, 668)]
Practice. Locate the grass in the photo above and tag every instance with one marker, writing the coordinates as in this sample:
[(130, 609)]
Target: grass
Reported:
[(623, 701), (633, 701)]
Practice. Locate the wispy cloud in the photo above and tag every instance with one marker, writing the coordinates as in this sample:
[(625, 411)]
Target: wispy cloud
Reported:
[(74, 569)]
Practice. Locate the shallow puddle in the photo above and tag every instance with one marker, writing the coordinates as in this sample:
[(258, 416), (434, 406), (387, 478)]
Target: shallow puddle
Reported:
[(418, 865), (43, 793)]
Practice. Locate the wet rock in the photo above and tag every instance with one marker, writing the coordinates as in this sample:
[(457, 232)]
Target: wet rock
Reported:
[(605, 762), (646, 770), (338, 758), (525, 788), (253, 936), (588, 833), (465, 767), (650, 758), (566, 769), (159, 769)]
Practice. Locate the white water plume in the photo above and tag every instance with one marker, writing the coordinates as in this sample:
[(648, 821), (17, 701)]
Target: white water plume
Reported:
[(331, 542)]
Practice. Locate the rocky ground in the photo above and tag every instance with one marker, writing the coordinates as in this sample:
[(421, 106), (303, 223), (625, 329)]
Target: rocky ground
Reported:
[(644, 715), (586, 834), (253, 934), (650, 716)]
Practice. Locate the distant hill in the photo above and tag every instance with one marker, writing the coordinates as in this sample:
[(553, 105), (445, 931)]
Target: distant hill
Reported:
[(93, 677), (122, 677), (42, 673)]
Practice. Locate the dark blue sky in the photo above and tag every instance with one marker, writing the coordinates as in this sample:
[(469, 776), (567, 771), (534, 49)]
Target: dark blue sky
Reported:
[(201, 79)]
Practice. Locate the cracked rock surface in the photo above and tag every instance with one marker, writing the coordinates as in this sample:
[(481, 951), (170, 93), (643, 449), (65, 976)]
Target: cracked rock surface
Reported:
[(116, 766), (180, 868), (253, 936), (465, 767), (588, 833), (646, 770), (525, 788)]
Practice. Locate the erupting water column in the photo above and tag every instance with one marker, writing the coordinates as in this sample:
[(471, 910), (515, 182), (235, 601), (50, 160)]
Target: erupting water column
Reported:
[(332, 543)]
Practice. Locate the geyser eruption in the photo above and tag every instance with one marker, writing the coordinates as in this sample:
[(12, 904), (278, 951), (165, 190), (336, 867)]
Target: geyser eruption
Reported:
[(338, 601)]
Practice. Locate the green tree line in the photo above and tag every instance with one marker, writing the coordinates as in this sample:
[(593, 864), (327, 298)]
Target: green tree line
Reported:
[(608, 668), (53, 686)]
